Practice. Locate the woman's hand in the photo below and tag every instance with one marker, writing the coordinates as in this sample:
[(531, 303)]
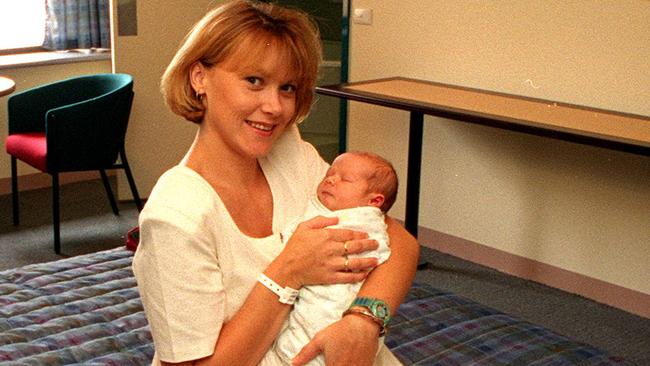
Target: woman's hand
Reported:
[(353, 340), (318, 255)]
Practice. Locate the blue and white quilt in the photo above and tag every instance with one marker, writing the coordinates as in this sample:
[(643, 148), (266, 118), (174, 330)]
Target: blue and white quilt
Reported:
[(86, 310)]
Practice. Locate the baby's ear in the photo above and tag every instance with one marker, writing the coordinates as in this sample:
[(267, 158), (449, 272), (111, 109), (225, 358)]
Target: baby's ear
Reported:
[(376, 200)]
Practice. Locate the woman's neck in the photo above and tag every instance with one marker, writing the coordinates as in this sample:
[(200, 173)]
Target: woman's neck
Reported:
[(219, 165), (239, 181)]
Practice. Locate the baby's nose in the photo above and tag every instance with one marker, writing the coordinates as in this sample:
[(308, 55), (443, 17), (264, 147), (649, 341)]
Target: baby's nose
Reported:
[(330, 179)]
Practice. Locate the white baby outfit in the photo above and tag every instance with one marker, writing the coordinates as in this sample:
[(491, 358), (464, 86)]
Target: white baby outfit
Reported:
[(321, 305)]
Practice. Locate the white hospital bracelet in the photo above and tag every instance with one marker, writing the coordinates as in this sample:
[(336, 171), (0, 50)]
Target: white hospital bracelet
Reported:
[(287, 294)]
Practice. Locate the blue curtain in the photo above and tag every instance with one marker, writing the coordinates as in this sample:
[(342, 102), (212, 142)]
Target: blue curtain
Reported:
[(77, 24)]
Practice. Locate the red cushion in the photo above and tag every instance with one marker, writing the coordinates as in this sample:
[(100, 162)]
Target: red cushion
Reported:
[(29, 147)]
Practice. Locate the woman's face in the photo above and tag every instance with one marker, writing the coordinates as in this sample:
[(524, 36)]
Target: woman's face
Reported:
[(248, 103)]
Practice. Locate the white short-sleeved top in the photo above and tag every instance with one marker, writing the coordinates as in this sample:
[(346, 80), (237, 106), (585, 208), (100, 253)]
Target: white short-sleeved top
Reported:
[(193, 266)]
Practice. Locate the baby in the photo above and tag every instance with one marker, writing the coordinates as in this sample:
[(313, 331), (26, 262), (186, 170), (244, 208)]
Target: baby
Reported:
[(359, 188)]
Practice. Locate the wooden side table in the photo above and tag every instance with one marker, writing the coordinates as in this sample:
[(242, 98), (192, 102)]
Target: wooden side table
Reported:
[(7, 86)]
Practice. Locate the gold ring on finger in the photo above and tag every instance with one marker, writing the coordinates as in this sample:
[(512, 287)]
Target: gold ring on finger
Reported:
[(345, 248), (345, 265)]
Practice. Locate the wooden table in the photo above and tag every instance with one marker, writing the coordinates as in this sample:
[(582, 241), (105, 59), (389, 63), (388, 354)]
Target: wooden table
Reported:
[(597, 127), (7, 86)]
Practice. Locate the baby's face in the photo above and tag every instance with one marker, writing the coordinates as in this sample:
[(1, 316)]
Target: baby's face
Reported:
[(345, 185)]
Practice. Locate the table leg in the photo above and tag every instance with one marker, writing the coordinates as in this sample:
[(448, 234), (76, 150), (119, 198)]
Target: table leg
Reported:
[(413, 173), (416, 128)]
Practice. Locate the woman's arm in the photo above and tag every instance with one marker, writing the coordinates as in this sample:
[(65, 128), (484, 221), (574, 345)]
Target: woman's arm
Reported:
[(308, 258), (389, 282), (392, 280), (246, 337)]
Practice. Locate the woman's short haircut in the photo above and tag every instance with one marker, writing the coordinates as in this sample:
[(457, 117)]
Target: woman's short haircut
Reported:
[(243, 29)]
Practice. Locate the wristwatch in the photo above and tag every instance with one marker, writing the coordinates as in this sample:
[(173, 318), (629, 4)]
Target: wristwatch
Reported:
[(375, 309)]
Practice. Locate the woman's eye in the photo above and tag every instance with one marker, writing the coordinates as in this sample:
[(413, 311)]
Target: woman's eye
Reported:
[(289, 88)]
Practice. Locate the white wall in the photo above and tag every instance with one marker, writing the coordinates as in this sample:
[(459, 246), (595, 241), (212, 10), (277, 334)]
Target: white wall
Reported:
[(157, 139), (580, 208)]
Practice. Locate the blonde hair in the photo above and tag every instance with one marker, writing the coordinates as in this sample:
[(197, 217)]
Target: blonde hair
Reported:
[(224, 31), (383, 178)]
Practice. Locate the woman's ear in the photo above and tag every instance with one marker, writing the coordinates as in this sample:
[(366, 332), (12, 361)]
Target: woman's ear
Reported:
[(376, 200), (197, 77)]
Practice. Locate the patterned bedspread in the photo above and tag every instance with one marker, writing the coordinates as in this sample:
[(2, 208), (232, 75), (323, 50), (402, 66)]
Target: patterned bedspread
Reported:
[(434, 327), (86, 311), (83, 310)]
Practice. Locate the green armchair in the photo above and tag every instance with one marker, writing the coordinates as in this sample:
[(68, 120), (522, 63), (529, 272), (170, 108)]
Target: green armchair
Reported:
[(77, 124)]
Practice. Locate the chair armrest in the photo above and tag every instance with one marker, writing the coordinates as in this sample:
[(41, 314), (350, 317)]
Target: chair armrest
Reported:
[(89, 134), (26, 111)]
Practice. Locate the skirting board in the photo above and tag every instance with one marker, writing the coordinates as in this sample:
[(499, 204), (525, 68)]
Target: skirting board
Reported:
[(619, 297), (43, 180)]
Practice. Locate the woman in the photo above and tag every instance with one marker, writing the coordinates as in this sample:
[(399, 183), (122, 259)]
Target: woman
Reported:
[(245, 74)]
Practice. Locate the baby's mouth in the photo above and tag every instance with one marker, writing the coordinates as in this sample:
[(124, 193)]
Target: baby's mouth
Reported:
[(325, 193)]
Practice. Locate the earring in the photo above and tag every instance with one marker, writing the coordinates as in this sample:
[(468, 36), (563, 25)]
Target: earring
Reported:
[(199, 96)]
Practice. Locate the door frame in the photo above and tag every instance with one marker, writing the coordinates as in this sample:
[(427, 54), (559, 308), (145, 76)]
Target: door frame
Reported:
[(345, 56)]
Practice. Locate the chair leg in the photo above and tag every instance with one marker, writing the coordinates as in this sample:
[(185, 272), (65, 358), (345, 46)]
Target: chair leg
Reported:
[(109, 192), (129, 177), (14, 191), (55, 213)]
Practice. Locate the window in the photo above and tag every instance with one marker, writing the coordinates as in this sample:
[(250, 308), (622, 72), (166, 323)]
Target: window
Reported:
[(53, 25), (22, 24)]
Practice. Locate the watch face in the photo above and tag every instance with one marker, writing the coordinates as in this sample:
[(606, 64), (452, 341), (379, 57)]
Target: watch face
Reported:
[(377, 307), (381, 310)]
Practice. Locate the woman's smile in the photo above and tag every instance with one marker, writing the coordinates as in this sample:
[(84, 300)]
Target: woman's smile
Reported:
[(262, 128)]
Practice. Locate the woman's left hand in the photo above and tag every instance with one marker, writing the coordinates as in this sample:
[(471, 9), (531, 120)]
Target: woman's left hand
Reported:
[(353, 340)]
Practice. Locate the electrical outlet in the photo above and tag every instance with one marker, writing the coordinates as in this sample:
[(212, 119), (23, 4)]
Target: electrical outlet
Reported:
[(362, 16)]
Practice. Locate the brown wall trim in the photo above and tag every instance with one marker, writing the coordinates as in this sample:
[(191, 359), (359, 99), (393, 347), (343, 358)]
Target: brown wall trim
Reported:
[(617, 296), (43, 180)]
